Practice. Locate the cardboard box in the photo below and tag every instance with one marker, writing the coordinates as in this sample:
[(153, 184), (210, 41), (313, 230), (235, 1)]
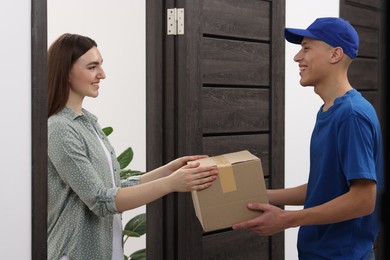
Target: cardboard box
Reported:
[(240, 181)]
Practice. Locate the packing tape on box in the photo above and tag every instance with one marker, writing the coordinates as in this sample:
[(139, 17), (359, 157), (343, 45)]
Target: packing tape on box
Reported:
[(225, 173)]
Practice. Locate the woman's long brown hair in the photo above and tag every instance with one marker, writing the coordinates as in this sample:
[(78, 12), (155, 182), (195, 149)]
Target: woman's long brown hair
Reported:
[(62, 54)]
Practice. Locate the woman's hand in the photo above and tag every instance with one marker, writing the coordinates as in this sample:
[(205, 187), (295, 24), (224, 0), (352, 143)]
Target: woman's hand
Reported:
[(169, 168), (174, 165), (191, 176), (187, 178)]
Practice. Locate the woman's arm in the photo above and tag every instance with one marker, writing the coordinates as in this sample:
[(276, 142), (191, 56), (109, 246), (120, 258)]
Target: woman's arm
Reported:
[(168, 168), (187, 178)]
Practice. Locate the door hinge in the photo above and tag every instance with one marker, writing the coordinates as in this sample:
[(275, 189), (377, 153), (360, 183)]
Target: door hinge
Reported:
[(175, 21)]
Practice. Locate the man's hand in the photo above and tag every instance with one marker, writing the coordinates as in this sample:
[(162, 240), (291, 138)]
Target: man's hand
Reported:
[(270, 221)]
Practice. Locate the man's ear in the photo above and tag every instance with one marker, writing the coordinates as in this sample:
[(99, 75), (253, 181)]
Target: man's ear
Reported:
[(337, 55)]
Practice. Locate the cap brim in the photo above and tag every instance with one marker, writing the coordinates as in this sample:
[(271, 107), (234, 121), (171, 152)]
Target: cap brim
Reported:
[(296, 35)]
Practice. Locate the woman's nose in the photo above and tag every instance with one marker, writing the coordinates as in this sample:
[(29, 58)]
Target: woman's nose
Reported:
[(101, 74)]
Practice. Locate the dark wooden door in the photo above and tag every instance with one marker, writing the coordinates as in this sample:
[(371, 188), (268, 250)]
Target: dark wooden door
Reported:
[(367, 71), (216, 89)]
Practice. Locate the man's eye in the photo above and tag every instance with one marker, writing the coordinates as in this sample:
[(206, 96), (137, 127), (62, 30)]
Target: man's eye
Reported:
[(92, 68)]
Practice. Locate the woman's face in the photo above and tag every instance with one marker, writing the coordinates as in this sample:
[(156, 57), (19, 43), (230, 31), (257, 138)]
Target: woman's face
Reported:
[(86, 73)]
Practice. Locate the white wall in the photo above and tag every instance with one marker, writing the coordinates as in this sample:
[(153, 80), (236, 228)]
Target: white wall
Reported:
[(119, 30), (15, 141), (301, 105)]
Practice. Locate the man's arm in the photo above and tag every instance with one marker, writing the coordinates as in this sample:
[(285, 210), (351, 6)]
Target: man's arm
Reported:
[(358, 201), (288, 196)]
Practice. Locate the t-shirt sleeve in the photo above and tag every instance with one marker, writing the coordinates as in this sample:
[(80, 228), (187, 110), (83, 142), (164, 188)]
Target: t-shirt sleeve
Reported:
[(356, 148)]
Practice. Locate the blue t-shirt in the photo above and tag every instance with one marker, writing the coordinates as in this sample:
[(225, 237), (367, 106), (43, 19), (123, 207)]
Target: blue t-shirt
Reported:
[(346, 144)]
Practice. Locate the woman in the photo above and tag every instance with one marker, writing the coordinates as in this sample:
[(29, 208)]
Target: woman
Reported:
[(85, 193)]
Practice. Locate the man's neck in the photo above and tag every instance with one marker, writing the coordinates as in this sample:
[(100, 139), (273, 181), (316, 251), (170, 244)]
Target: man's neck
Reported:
[(329, 94)]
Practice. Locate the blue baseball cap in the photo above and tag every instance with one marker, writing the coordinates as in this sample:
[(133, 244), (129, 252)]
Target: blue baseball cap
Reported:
[(335, 31)]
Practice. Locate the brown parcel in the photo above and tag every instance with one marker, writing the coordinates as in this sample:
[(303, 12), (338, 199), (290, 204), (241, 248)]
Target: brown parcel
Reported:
[(240, 181)]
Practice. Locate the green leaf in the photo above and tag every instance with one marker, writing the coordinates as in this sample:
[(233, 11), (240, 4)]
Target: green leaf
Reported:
[(128, 233), (125, 157), (138, 255), (107, 130), (137, 224)]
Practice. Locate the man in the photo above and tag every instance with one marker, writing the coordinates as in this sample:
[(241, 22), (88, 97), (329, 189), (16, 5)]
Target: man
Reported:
[(339, 219)]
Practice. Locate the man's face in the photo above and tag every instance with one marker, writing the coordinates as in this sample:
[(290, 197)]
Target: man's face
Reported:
[(313, 60)]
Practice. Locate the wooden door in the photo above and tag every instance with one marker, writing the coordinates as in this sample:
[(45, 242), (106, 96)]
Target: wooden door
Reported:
[(216, 89), (367, 71)]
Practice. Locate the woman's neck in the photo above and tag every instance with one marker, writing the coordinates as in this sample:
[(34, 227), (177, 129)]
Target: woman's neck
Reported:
[(75, 105)]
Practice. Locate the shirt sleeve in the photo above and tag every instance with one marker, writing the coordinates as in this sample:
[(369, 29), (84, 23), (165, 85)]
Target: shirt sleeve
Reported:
[(356, 148), (131, 181), (67, 152)]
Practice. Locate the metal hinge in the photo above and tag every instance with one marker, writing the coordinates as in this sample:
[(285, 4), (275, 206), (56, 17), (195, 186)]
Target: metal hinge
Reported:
[(175, 21)]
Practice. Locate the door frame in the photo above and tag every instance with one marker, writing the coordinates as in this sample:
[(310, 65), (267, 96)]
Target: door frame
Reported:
[(160, 84), (39, 129)]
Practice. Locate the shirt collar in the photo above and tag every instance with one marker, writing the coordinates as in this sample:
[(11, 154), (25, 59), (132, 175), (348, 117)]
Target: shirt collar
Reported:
[(69, 113)]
